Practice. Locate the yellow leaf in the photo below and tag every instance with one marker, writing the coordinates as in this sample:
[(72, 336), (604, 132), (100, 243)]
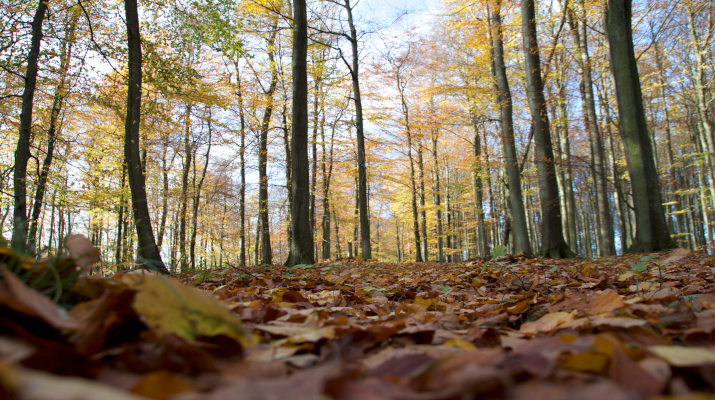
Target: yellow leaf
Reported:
[(588, 361), (171, 307), (426, 303), (547, 323), (458, 343), (679, 356)]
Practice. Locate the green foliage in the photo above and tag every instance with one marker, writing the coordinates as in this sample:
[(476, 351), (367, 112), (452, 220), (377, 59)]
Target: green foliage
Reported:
[(53, 276), (499, 251)]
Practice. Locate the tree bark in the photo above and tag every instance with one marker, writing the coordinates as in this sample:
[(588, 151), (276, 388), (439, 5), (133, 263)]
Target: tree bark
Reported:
[(437, 201), (362, 172), (301, 250), (188, 153), (148, 252), (22, 152), (197, 199), (481, 233), (518, 220), (60, 93), (242, 161), (651, 229), (397, 65), (553, 244), (605, 226), (327, 176), (423, 212), (266, 254)]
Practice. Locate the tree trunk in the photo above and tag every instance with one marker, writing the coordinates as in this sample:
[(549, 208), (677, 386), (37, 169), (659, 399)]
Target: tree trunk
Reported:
[(362, 172), (22, 152), (118, 255), (148, 252), (413, 183), (518, 214), (264, 225), (437, 201), (242, 160), (651, 229), (553, 244), (164, 195), (301, 250), (197, 199), (60, 93), (605, 226), (188, 153), (481, 232), (423, 212), (327, 176)]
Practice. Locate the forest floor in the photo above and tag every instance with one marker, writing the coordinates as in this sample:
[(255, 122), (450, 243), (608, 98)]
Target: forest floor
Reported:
[(628, 327)]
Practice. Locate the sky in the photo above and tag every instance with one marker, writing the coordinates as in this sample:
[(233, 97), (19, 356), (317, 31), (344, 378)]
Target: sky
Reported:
[(386, 11)]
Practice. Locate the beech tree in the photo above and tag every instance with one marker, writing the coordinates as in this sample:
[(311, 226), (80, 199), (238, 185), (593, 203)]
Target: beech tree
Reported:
[(301, 244), (147, 249), (651, 229), (22, 153)]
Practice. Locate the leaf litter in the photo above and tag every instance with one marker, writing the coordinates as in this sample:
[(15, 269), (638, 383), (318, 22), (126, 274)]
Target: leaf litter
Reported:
[(627, 327)]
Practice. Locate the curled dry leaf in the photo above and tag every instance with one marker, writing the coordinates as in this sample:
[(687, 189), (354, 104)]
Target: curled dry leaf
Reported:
[(82, 251)]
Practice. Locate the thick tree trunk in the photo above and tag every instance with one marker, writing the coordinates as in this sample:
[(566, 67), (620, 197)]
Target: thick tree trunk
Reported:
[(301, 250), (22, 152), (148, 252), (518, 214), (362, 171), (651, 229), (553, 244)]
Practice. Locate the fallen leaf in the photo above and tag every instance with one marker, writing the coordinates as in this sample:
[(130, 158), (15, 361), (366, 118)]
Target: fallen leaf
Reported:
[(172, 307), (30, 302), (82, 251), (679, 356), (547, 323)]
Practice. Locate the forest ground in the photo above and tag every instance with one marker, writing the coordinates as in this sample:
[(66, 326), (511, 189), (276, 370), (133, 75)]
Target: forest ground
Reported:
[(627, 327)]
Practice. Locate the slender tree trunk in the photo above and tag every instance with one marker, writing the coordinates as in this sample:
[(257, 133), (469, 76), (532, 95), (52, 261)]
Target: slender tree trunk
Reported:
[(197, 198), (22, 152), (264, 226), (518, 214), (553, 244), (188, 153), (301, 251), (605, 226), (120, 219), (651, 229), (242, 161), (60, 94), (327, 176), (437, 200), (362, 172), (423, 212), (338, 252), (147, 249), (481, 233)]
